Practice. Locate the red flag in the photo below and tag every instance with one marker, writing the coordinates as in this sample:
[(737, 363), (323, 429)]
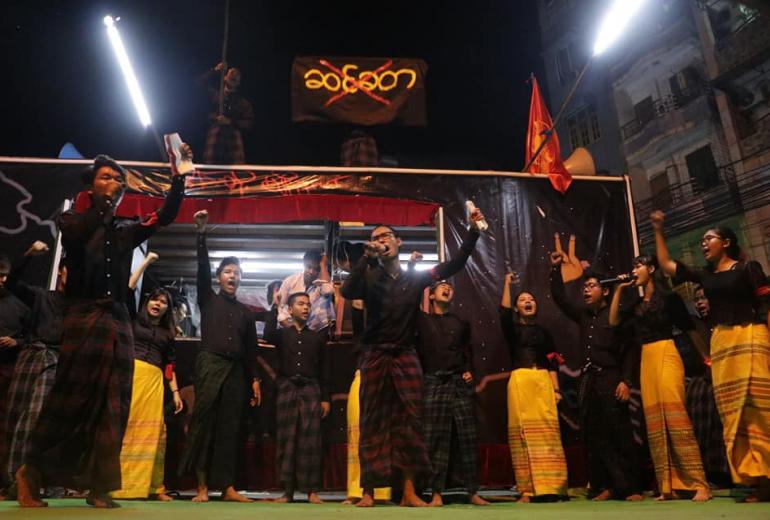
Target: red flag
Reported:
[(549, 161)]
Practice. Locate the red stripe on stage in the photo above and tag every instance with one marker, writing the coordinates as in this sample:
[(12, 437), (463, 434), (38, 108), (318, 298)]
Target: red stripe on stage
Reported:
[(291, 208)]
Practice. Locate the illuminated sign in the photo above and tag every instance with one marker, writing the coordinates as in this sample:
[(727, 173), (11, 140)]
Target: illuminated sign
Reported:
[(367, 91)]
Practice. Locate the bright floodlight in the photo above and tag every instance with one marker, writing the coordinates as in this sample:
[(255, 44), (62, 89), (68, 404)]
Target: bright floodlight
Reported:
[(128, 72), (615, 22)]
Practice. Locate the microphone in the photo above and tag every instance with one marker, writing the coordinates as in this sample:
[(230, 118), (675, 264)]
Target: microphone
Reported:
[(620, 278)]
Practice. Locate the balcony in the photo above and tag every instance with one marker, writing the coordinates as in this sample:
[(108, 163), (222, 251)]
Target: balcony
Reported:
[(661, 107), (688, 206), (743, 49), (671, 112)]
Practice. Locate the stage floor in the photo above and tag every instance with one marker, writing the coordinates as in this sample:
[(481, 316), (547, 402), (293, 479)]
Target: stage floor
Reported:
[(719, 508)]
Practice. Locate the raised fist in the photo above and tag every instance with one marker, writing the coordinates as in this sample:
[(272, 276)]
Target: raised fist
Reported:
[(656, 219), (37, 248), (201, 219)]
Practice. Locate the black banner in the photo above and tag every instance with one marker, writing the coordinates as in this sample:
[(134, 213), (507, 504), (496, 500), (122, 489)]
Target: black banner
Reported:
[(361, 91)]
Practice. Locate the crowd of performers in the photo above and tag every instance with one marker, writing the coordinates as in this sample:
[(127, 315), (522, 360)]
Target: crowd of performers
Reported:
[(82, 373)]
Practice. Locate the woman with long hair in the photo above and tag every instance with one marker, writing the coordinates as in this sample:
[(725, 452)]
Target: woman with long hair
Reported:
[(674, 450), (738, 292), (534, 437), (143, 454)]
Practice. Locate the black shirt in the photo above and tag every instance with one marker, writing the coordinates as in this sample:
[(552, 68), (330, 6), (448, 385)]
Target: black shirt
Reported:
[(14, 316), (736, 297), (153, 344), (443, 343), (600, 343), (529, 344), (227, 325), (46, 307), (392, 303), (300, 353), (656, 319), (100, 246)]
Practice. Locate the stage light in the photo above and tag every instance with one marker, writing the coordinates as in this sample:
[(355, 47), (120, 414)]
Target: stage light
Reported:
[(615, 22), (128, 71), (419, 266)]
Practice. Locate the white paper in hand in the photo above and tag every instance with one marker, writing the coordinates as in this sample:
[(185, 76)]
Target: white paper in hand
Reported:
[(179, 165), (471, 207)]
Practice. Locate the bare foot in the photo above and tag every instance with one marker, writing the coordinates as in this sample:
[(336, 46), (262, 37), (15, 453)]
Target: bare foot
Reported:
[(202, 495), (101, 501), (436, 501), (28, 488), (761, 494), (349, 501), (476, 500), (162, 497), (284, 499), (702, 495), (412, 500), (604, 495), (666, 496), (231, 495), (366, 501), (313, 498), (525, 499), (636, 497)]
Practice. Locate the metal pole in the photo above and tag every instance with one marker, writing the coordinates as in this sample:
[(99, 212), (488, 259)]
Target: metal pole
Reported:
[(631, 215), (559, 114), (441, 240), (224, 59)]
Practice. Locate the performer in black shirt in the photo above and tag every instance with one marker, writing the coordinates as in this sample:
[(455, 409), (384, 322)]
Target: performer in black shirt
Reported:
[(303, 399), (699, 393), (35, 370), (739, 295), (444, 349), (605, 387), (674, 451), (227, 359), (391, 379), (533, 392), (142, 459), (77, 440), (14, 319)]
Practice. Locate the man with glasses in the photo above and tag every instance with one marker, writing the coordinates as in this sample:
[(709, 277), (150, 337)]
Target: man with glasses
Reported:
[(607, 370), (391, 378)]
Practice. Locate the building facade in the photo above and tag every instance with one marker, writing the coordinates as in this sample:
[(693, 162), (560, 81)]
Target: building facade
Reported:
[(689, 87)]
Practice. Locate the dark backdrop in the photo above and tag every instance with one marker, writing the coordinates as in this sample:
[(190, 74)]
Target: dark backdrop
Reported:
[(62, 82)]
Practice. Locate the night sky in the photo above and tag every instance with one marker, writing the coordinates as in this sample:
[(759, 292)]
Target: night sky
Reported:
[(62, 83)]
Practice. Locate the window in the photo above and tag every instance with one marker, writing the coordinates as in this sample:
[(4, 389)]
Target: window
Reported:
[(685, 86), (661, 190), (645, 111), (583, 126), (702, 167), (564, 66)]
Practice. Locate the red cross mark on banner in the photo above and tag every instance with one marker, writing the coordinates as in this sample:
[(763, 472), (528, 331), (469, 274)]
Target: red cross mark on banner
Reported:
[(357, 83)]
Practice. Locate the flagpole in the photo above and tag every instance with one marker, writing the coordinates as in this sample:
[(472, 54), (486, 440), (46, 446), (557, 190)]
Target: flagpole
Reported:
[(559, 114)]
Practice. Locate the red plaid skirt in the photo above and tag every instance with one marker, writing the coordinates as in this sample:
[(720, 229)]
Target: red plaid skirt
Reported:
[(77, 440)]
